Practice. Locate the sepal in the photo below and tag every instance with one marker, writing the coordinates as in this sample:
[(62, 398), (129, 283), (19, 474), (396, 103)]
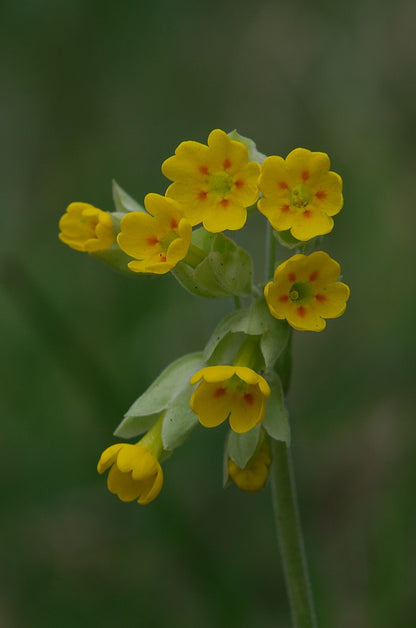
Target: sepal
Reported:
[(276, 419), (254, 320), (253, 153), (225, 271), (123, 202), (169, 393)]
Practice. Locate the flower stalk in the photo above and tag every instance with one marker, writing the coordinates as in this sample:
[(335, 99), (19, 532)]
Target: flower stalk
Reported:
[(290, 537)]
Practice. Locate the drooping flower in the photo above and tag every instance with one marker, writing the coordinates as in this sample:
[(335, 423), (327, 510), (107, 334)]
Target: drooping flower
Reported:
[(300, 193), (214, 183), (236, 392), (86, 228), (135, 472), (157, 240), (305, 291), (254, 475)]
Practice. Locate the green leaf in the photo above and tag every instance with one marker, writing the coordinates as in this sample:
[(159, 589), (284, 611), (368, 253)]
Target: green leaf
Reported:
[(253, 153), (159, 396), (179, 420), (276, 420), (124, 202), (241, 447)]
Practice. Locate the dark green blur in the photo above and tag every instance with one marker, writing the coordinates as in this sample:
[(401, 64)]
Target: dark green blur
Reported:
[(93, 91)]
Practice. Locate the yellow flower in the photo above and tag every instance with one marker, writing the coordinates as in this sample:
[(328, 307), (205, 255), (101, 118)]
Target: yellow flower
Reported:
[(236, 392), (135, 472), (300, 193), (305, 291), (86, 228), (157, 240), (254, 476), (213, 183)]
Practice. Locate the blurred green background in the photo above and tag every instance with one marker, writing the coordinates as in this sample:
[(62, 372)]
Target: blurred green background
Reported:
[(98, 90)]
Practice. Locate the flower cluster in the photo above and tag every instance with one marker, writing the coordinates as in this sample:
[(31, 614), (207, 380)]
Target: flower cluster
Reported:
[(242, 374)]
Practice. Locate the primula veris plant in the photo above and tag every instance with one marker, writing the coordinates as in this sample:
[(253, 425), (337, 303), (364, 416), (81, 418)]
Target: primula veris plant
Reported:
[(234, 392), (300, 193), (215, 183), (305, 291), (242, 376), (158, 239), (86, 228)]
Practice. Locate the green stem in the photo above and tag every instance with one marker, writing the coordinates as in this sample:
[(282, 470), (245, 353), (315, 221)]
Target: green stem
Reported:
[(290, 538)]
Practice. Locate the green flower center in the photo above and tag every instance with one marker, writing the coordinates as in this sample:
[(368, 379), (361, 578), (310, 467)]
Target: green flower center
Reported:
[(300, 291), (300, 196), (220, 183), (235, 384)]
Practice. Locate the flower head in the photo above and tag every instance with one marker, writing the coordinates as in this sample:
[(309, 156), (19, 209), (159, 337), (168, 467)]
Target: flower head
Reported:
[(86, 228), (214, 183), (236, 392), (254, 476), (157, 240), (305, 291), (300, 193), (135, 472)]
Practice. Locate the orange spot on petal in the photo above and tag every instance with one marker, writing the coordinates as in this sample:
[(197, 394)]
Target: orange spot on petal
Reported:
[(173, 223), (320, 297), (162, 257), (305, 175), (284, 209), (320, 194), (202, 195), (203, 169), (301, 311), (283, 185), (239, 183), (152, 240), (292, 276), (307, 213), (219, 392), (313, 275), (226, 164), (249, 399), (224, 202), (284, 298)]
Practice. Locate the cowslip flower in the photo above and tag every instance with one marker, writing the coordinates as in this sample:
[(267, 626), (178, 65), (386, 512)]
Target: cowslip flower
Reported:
[(157, 240), (135, 472), (305, 291), (254, 475), (236, 392), (86, 228), (300, 193), (214, 183)]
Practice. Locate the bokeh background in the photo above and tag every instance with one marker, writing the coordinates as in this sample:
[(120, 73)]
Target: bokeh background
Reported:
[(98, 90)]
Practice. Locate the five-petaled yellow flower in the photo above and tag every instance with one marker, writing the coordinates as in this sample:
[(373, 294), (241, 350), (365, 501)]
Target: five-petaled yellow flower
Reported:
[(135, 472), (305, 291), (157, 240), (254, 475), (215, 183), (86, 228), (300, 193), (236, 392)]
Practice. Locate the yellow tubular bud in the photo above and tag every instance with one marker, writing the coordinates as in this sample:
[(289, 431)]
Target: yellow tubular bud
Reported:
[(254, 476)]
